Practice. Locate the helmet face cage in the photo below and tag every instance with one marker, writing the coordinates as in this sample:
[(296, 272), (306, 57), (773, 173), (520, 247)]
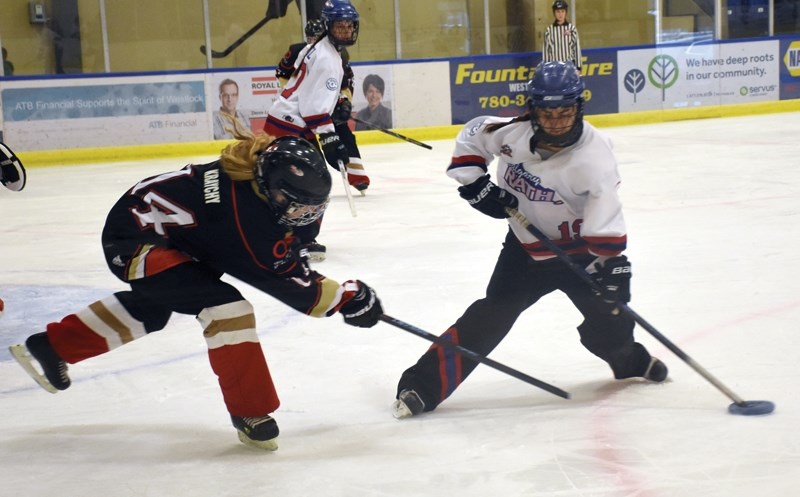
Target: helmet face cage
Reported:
[(315, 28), (292, 174), (556, 85), (297, 214), (340, 10)]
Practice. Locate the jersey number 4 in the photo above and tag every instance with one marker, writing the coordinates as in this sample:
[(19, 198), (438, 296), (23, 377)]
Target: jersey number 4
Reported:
[(162, 211)]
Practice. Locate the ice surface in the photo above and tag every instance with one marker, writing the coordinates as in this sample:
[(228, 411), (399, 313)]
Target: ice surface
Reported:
[(713, 219)]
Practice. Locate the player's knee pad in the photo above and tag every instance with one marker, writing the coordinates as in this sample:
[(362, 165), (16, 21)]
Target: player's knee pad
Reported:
[(228, 324), (111, 320), (151, 317)]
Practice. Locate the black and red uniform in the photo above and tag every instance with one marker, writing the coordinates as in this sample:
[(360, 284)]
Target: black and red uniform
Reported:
[(172, 237)]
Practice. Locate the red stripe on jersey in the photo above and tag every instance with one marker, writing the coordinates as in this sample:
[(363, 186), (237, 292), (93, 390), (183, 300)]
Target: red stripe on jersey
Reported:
[(607, 245), (73, 341), (277, 128), (160, 259), (468, 160), (318, 120), (241, 231)]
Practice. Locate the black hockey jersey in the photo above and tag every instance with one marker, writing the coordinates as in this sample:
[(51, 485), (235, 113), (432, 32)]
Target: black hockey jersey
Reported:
[(198, 213)]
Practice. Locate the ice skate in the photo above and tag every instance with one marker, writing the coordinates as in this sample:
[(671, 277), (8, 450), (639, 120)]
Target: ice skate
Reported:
[(408, 404), (260, 432), (37, 349), (316, 251)]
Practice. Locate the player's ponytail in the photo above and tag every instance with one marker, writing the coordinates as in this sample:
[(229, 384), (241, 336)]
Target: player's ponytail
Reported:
[(239, 158)]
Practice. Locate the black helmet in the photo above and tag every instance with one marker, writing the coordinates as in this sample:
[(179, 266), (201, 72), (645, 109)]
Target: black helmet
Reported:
[(560, 4), (293, 175), (340, 10), (315, 28), (555, 85)]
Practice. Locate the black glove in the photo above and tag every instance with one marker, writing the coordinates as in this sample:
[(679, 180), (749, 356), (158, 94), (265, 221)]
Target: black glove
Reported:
[(364, 308), (488, 197), (614, 279), (342, 111), (334, 150)]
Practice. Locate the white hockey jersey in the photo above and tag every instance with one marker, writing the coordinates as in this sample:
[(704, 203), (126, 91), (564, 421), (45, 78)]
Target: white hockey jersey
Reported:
[(307, 100), (571, 196)]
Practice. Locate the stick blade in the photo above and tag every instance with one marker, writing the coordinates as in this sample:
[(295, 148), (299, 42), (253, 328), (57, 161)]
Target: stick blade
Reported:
[(203, 49), (752, 408)]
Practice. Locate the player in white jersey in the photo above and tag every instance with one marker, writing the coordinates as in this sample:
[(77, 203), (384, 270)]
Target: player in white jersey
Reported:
[(561, 173), (307, 101)]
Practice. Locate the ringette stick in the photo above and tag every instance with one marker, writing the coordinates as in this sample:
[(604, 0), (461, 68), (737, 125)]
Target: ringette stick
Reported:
[(347, 188), (739, 406), (235, 44), (390, 132), (469, 354)]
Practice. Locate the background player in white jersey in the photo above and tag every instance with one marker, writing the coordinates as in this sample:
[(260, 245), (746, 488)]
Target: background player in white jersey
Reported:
[(561, 173), (315, 28), (308, 99), (12, 172), (173, 236)]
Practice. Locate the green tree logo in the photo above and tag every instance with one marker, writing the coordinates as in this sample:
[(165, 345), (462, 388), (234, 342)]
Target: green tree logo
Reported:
[(663, 73)]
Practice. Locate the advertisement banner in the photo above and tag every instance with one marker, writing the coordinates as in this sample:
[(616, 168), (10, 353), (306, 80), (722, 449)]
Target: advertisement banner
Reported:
[(373, 96), (37, 118), (790, 69), (697, 75), (247, 95), (496, 85)]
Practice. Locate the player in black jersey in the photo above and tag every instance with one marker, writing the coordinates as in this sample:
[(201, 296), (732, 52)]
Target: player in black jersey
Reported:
[(171, 237)]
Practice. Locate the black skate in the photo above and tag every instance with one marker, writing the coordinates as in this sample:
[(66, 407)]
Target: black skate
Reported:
[(260, 432), (53, 376), (315, 251), (408, 404)]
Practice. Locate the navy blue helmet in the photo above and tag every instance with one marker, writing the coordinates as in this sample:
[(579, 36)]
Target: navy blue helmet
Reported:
[(292, 174), (555, 85), (340, 10), (560, 4)]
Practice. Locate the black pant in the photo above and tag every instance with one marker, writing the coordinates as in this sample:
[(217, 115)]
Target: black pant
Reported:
[(186, 289), (517, 283)]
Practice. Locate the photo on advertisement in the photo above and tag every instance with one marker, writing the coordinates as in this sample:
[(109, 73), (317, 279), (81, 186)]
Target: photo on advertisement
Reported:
[(373, 98)]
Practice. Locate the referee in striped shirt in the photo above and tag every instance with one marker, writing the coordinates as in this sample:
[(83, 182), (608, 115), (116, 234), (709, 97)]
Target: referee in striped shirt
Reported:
[(561, 38)]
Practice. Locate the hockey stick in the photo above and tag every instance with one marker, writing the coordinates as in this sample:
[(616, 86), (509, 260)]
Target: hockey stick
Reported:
[(235, 44), (469, 354), (347, 189), (390, 132), (739, 406)]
